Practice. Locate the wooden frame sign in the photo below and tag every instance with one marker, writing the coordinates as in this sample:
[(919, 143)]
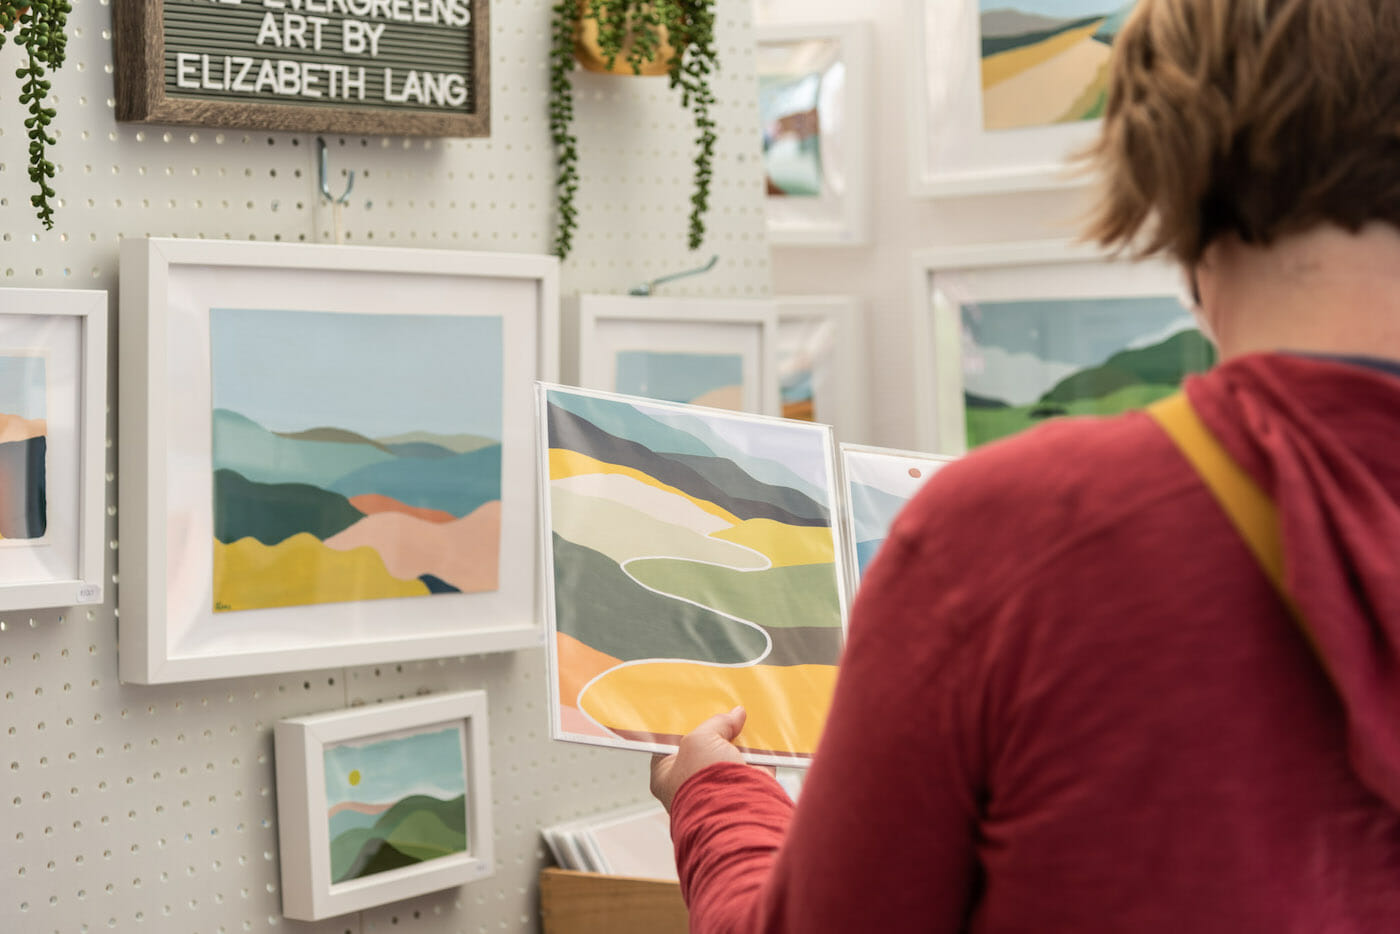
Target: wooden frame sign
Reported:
[(397, 67)]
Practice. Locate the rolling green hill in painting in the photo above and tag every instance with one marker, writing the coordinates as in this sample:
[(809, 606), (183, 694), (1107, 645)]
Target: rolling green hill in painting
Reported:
[(457, 444), (991, 45), (414, 830), (1127, 380), (457, 484), (244, 446), (1166, 363), (274, 512), (610, 613), (336, 435), (712, 479)]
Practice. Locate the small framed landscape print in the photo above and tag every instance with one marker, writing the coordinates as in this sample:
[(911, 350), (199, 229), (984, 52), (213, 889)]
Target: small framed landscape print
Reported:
[(694, 565), (1008, 336), (328, 454), (821, 361), (1004, 92), (378, 804), (879, 483), (813, 92), (53, 423), (718, 353)]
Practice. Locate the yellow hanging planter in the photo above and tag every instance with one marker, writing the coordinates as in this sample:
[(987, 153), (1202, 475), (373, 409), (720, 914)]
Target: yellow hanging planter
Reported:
[(589, 52)]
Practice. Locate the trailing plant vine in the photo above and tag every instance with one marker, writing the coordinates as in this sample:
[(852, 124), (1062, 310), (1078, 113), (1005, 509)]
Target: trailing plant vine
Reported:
[(43, 35), (632, 30)]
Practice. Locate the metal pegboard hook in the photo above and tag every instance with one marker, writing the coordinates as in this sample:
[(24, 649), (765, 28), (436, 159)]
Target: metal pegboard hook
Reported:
[(325, 176), (646, 288)]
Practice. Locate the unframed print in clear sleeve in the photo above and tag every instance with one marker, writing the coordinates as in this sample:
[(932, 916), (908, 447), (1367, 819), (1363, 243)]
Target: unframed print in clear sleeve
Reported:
[(693, 566)]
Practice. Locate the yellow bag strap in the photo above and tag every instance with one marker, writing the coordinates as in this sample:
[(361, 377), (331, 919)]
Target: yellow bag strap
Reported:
[(1249, 508)]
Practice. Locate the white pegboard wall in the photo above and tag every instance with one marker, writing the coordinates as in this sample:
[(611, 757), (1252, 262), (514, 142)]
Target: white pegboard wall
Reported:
[(151, 809)]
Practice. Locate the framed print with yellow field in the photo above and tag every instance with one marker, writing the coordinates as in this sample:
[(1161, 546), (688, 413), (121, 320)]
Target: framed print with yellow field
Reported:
[(327, 454)]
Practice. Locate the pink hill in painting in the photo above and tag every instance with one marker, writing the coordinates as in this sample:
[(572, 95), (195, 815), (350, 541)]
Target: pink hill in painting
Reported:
[(373, 503), (464, 552), (360, 806), (15, 428)]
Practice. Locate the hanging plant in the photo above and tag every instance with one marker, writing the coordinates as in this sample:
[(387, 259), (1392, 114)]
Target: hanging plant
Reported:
[(43, 36), (636, 36)]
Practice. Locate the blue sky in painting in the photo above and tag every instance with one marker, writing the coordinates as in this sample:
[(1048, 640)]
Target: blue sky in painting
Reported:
[(1061, 9), (379, 375), (22, 386), (676, 377), (392, 769)]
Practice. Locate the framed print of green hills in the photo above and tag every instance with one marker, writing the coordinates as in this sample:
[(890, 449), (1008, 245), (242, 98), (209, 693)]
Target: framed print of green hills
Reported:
[(355, 457), (693, 566), (328, 453)]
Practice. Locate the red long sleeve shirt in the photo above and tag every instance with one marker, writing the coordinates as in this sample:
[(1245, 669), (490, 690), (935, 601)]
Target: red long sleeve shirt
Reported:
[(1070, 700)]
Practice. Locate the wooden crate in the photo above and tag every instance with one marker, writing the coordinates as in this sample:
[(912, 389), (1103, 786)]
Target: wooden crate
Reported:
[(590, 903)]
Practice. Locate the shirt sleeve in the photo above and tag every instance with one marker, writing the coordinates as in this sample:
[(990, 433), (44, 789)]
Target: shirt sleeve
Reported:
[(883, 837)]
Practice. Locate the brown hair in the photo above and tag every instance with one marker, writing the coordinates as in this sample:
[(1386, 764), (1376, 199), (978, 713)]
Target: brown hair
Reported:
[(1253, 117)]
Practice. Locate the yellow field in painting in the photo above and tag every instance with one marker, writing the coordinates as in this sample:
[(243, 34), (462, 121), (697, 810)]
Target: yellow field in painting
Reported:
[(786, 705), (299, 571), (564, 463), (785, 545), (1059, 80)]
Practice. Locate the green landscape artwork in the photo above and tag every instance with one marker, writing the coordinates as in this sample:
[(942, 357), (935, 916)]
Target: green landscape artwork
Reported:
[(23, 447), (355, 456), (715, 380), (1046, 61), (694, 568), (395, 802), (1026, 361)]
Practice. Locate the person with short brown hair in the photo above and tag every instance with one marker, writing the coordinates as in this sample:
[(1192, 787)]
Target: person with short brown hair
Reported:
[(1089, 684)]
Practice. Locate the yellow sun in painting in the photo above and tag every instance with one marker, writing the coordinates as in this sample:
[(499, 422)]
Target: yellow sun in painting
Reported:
[(354, 776)]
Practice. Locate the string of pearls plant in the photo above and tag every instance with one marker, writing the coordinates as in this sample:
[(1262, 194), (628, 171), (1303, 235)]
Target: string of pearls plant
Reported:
[(42, 34), (637, 31)]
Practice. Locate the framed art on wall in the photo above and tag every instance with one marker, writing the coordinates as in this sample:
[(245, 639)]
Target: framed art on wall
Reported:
[(327, 454), (1003, 94), (53, 425), (378, 804), (694, 565), (813, 92), (1008, 336), (821, 361), (720, 353)]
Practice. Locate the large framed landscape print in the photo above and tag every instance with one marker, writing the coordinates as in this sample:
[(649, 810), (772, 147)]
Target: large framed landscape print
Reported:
[(53, 422), (694, 565), (1009, 336), (381, 803), (328, 454), (1003, 92)]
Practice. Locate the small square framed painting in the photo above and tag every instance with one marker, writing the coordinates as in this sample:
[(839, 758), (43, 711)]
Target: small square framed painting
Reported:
[(879, 482), (813, 98), (327, 453), (53, 422), (694, 565), (719, 353), (378, 804), (1010, 335), (821, 361), (1002, 94)]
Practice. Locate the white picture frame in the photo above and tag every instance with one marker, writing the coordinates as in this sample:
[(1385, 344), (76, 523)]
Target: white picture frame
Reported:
[(604, 332), (833, 61), (170, 292), (54, 345), (950, 153), (824, 335), (944, 280), (307, 748)]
